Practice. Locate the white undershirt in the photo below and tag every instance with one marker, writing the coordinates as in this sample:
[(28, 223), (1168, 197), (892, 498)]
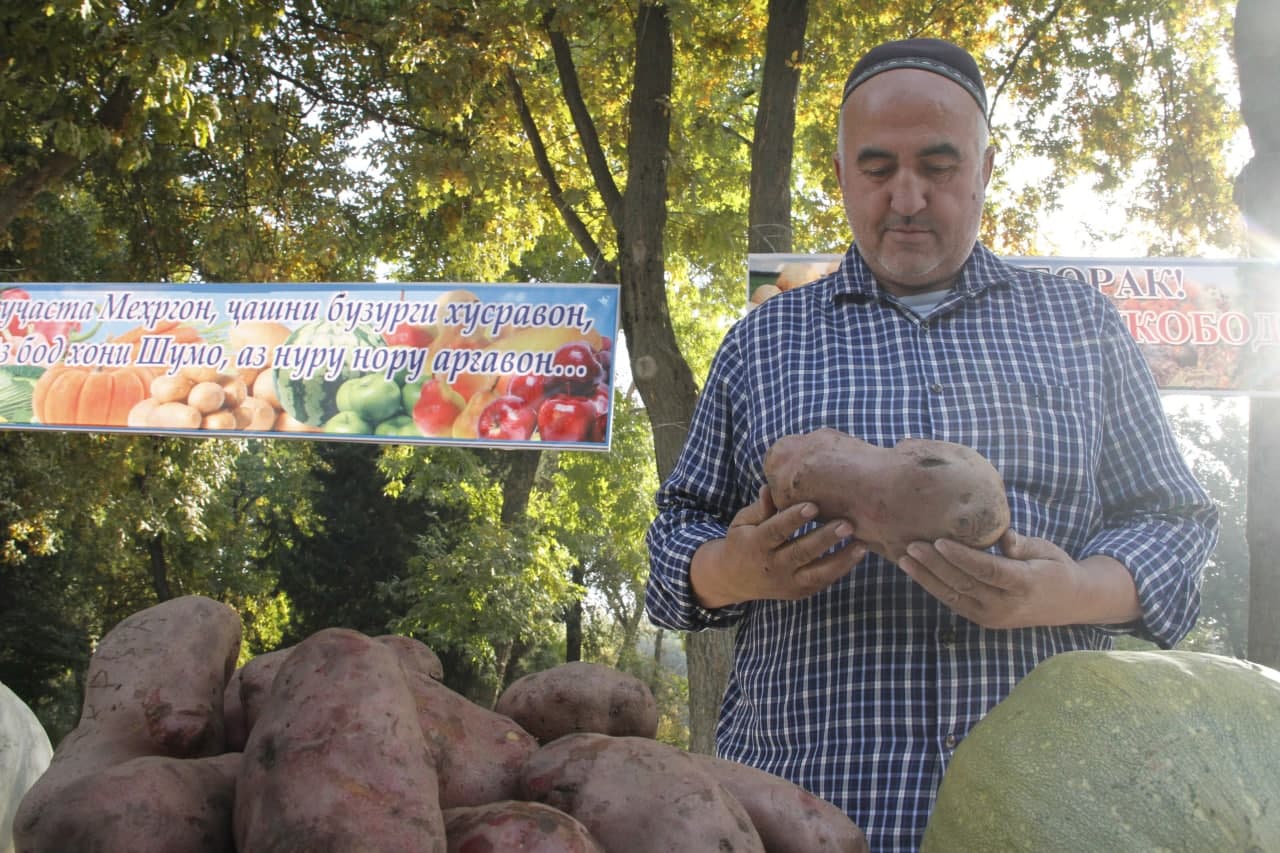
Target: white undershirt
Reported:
[(921, 304)]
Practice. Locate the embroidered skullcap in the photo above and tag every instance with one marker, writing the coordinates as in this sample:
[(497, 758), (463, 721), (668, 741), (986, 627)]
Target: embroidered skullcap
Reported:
[(936, 55)]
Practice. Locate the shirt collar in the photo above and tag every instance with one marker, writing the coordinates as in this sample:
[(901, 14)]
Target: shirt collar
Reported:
[(982, 270)]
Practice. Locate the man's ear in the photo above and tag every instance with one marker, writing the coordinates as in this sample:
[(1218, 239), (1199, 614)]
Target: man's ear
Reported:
[(988, 164)]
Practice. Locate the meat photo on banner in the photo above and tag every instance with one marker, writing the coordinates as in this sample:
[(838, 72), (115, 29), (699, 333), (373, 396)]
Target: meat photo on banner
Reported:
[(1205, 326)]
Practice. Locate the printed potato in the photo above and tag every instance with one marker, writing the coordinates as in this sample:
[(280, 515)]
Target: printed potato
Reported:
[(201, 398)]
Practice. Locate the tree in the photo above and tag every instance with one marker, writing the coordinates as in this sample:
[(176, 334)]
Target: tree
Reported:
[(95, 527), (1257, 191), (502, 136), (107, 81), (482, 593), (1216, 442)]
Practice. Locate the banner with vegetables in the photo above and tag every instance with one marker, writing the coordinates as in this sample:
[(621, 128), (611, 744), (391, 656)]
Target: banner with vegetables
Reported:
[(1205, 326), (492, 365)]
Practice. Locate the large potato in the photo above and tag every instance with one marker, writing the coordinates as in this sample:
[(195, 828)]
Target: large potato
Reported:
[(246, 691), (638, 795), (414, 655), (788, 818), (516, 825), (919, 489), (250, 685), (478, 753), (154, 687), (152, 804), (580, 697), (337, 759)]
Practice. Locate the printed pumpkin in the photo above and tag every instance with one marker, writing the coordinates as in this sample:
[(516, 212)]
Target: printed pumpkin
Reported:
[(89, 396)]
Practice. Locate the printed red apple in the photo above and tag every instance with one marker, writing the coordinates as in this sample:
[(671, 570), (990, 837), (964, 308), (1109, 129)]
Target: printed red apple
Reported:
[(577, 368), (529, 387), (508, 418), (436, 410), (407, 335), (600, 400), (566, 418)]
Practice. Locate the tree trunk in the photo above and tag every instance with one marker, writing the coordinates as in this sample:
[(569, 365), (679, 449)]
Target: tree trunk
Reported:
[(159, 568), (710, 653), (517, 484), (1257, 192), (1262, 531), (573, 619), (773, 142), (661, 373)]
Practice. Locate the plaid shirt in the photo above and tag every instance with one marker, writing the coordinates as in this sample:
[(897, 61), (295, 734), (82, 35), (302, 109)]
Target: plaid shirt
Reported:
[(861, 692)]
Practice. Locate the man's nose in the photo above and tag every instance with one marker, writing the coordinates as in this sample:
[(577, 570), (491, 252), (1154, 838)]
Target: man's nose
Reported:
[(907, 193)]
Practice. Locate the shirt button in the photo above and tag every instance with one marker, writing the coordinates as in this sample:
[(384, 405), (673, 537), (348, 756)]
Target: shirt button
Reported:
[(936, 387), (947, 636), (949, 741)]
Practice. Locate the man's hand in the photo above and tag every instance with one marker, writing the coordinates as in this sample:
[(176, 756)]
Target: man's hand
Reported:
[(1032, 582), (762, 558)]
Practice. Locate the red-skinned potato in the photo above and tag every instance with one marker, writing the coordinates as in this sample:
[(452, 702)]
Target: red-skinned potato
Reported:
[(638, 795), (154, 688), (337, 760), (478, 753), (246, 691), (414, 655), (580, 697), (920, 489), (788, 818), (516, 825), (151, 804), (250, 684)]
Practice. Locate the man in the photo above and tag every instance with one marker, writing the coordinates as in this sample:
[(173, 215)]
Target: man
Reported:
[(852, 676)]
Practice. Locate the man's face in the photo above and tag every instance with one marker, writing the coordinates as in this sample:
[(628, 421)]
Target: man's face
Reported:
[(913, 167)]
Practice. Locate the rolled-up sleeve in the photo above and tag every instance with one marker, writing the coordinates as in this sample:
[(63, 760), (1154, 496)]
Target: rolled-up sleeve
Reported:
[(1158, 520), (695, 505)]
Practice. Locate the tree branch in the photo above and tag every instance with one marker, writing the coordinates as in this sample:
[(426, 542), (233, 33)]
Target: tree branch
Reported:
[(1032, 34), (602, 270), (571, 88), (22, 190)]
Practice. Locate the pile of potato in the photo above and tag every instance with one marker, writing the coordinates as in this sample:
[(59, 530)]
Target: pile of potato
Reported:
[(203, 398), (353, 743)]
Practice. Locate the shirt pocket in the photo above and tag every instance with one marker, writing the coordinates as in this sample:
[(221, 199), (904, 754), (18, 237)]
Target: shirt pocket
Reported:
[(1041, 438)]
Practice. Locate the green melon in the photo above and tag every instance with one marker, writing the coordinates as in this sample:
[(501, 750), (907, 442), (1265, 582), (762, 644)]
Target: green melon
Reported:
[(1120, 751), (313, 401)]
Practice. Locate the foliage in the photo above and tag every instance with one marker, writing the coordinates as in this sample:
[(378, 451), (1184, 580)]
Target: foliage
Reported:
[(95, 527), (476, 588), (610, 495), (1214, 436), (313, 140)]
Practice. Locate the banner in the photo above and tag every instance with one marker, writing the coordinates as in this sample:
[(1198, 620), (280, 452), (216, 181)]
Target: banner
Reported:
[(1205, 326), (525, 365)]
